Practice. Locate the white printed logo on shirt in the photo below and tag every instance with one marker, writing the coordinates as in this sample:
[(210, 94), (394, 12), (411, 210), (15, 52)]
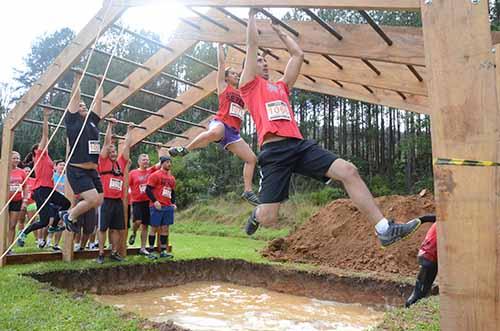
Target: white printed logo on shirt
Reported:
[(235, 110), (167, 192), (14, 187), (278, 110), (94, 147), (142, 188), (115, 184)]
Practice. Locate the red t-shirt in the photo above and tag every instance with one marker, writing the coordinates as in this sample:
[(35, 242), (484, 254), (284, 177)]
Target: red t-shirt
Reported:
[(44, 171), (17, 176), (428, 249), (30, 183), (162, 183), (138, 180), (231, 107), (270, 109), (112, 183)]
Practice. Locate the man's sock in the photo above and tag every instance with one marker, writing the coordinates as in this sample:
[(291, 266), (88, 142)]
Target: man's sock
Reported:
[(163, 242), (382, 226), (151, 240)]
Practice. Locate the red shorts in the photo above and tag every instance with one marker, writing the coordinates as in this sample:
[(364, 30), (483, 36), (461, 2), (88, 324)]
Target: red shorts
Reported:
[(428, 249)]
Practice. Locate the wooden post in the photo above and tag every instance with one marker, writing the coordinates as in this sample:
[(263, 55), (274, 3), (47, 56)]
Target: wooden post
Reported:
[(68, 250), (122, 250), (7, 142), (461, 71)]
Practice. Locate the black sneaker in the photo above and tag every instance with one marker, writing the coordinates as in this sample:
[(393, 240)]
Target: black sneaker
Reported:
[(41, 244), (56, 248), (21, 240), (116, 257), (396, 232), (56, 228), (131, 240), (178, 151), (100, 259), (252, 223), (251, 198), (166, 255), (70, 226)]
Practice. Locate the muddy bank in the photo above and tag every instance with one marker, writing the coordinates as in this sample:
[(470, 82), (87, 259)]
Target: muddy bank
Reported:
[(340, 236), (317, 284)]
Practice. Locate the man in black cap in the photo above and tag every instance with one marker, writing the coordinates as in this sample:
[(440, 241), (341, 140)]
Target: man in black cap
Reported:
[(161, 191)]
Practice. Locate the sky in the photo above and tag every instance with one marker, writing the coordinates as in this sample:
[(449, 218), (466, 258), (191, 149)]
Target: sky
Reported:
[(22, 21)]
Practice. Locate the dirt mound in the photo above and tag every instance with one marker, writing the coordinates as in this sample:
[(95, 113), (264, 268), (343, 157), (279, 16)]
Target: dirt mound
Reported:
[(340, 236)]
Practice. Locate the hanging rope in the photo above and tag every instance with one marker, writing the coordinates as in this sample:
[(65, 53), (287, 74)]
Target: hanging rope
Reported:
[(60, 122)]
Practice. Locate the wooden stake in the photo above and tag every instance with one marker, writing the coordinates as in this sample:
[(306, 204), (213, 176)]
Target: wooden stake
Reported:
[(68, 250), (7, 142), (461, 71)]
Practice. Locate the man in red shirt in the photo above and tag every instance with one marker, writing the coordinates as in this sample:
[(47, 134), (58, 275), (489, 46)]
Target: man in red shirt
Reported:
[(44, 187), (161, 192), (138, 179), (283, 149), (111, 168)]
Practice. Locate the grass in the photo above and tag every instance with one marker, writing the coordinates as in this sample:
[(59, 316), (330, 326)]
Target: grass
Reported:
[(424, 316)]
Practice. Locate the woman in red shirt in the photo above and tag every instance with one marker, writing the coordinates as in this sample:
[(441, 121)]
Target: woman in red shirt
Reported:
[(225, 127), (17, 177)]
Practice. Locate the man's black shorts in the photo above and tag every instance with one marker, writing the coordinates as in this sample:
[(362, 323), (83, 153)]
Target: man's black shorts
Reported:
[(82, 180), (140, 212), (112, 215), (278, 160), (15, 205)]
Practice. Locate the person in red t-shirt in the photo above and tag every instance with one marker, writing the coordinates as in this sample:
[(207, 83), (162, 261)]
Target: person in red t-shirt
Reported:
[(17, 177), (283, 149), (428, 260), (44, 187), (161, 192), (138, 179), (30, 208), (225, 127), (111, 167)]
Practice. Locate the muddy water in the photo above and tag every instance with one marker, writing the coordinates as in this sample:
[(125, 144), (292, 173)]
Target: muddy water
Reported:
[(225, 306)]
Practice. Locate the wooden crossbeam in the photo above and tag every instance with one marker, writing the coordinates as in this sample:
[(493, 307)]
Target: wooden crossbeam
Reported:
[(394, 77), (189, 134), (171, 110), (412, 5), (71, 54)]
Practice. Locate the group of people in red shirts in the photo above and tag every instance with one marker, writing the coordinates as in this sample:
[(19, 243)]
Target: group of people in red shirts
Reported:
[(96, 174)]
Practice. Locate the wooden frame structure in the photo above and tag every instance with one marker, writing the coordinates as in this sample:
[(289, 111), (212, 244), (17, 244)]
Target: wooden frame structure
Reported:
[(455, 78)]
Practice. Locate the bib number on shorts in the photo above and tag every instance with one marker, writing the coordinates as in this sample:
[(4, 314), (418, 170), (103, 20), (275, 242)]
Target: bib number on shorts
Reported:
[(13, 187), (142, 188), (94, 147), (167, 192), (278, 110), (116, 184), (236, 111)]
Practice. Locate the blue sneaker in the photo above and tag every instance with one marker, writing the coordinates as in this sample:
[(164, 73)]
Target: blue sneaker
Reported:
[(21, 239), (70, 226), (252, 223)]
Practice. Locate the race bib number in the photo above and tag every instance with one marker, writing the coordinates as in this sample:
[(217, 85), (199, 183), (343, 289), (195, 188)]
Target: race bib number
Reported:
[(116, 184), (142, 188), (236, 111), (278, 110), (94, 147), (13, 187), (167, 192)]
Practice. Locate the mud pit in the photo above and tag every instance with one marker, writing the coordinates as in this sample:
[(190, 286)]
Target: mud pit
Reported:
[(322, 285)]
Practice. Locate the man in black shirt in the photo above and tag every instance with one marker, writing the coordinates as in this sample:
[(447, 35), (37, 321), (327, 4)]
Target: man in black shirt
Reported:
[(82, 169)]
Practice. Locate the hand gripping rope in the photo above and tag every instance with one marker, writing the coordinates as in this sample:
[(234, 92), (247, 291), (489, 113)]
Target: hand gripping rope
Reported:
[(99, 33)]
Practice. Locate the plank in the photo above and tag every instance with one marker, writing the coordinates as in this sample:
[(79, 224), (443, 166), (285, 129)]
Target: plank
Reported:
[(7, 143), (465, 123)]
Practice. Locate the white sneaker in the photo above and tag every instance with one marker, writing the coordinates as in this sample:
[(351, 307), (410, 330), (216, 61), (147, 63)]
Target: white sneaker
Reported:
[(77, 247)]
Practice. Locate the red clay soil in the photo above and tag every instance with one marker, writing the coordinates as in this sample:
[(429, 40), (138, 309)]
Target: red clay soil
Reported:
[(339, 236)]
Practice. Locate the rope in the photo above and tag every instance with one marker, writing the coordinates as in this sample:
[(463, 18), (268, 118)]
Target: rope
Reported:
[(59, 125)]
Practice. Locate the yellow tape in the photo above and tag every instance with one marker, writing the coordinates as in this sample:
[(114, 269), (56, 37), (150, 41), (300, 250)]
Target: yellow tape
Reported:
[(463, 162)]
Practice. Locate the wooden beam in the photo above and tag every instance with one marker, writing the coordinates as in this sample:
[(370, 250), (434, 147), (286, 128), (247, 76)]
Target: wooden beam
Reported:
[(71, 54), (465, 124), (360, 41), (414, 103), (412, 5), (5, 164), (189, 98), (190, 133), (393, 77)]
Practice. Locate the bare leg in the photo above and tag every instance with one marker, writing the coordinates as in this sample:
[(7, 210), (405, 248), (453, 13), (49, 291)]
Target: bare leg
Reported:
[(13, 216), (242, 150), (267, 213), (216, 133), (348, 174), (144, 235), (91, 199), (102, 241), (114, 238), (22, 218)]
